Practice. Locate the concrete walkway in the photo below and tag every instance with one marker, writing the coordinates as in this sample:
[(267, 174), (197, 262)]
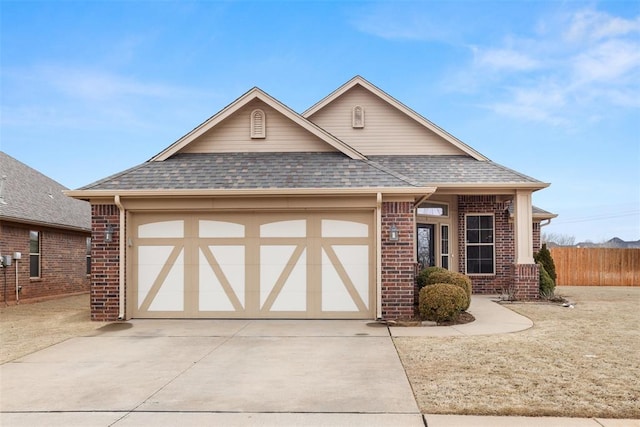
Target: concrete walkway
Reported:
[(239, 373), (491, 318)]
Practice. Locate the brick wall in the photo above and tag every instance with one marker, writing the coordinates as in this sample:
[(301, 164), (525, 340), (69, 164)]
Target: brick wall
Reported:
[(537, 244), (504, 242), (398, 267), (525, 281), (521, 279), (63, 263), (105, 263)]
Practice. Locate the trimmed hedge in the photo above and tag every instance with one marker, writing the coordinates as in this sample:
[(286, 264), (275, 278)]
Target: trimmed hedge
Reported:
[(452, 278), (441, 302), (424, 274)]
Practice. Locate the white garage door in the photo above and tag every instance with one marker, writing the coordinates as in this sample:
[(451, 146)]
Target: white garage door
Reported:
[(253, 265)]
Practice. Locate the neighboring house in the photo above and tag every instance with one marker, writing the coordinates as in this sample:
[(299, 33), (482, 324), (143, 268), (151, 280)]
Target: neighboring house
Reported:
[(261, 212), (50, 232)]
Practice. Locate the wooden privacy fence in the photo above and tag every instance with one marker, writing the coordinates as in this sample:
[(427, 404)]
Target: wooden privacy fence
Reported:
[(597, 266)]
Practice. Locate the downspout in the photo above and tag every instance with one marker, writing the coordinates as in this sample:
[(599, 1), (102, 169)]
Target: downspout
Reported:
[(379, 256), (121, 242)]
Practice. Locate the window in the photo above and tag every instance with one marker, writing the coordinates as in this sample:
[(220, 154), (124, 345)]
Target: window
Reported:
[(479, 244), (88, 256), (444, 246), (258, 124), (34, 254), (357, 117), (433, 209)]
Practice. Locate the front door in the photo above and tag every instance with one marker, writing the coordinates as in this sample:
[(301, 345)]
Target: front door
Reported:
[(426, 245)]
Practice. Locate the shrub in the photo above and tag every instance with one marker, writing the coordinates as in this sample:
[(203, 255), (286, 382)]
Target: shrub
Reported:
[(452, 278), (543, 256), (547, 286), (441, 302), (424, 274)]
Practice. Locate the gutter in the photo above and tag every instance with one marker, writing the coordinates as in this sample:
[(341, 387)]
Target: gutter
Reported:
[(121, 234)]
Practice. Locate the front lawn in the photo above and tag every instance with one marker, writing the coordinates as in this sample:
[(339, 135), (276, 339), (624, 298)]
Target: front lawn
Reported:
[(575, 362)]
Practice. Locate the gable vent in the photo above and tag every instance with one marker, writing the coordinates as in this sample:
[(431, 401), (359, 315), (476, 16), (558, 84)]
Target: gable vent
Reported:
[(357, 117), (258, 124)]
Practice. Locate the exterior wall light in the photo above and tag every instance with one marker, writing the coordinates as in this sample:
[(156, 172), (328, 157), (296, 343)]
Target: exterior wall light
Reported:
[(108, 234), (394, 235)]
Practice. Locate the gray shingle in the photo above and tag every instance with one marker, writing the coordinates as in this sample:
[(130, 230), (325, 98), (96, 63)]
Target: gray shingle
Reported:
[(252, 171), (29, 196), (431, 170)]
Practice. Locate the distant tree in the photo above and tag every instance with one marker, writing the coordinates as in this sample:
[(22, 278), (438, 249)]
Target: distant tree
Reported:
[(559, 239)]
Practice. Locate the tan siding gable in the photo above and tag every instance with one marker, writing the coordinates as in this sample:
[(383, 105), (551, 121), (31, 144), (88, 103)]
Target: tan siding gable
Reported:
[(386, 129), (233, 135)]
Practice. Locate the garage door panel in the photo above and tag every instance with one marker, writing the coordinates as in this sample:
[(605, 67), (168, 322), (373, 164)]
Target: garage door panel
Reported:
[(222, 278), (283, 277), (254, 265), (338, 290), (160, 275)]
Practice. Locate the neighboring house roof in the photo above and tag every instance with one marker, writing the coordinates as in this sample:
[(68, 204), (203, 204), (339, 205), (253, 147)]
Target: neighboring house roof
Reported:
[(252, 171), (29, 197)]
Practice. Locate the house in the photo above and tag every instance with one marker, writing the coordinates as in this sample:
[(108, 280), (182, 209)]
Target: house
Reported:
[(46, 234), (261, 212)]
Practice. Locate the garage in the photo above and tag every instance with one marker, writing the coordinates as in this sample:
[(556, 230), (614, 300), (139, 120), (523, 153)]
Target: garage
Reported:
[(293, 265)]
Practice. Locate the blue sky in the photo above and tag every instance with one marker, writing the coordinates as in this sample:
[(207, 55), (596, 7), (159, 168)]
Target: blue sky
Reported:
[(551, 89)]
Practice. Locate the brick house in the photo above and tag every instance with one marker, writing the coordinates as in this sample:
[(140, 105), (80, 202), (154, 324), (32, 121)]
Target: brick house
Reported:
[(261, 212), (50, 232)]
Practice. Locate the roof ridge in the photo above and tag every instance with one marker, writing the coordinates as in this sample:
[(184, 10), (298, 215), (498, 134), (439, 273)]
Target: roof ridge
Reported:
[(392, 173)]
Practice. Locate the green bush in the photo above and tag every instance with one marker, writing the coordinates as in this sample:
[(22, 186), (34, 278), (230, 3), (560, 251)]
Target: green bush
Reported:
[(544, 257), (424, 274), (547, 285), (441, 302), (452, 278)]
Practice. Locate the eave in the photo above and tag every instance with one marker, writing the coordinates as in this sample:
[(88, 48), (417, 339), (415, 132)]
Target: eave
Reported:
[(252, 192)]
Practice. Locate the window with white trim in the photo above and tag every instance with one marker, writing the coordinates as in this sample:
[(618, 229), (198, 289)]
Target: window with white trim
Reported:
[(444, 246), (258, 124), (479, 242), (34, 254)]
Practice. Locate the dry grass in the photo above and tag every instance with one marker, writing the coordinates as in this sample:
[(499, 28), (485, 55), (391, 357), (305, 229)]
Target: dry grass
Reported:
[(574, 362), (26, 328)]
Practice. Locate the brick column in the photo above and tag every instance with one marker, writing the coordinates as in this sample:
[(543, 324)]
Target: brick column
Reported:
[(525, 281), (398, 266), (105, 263)]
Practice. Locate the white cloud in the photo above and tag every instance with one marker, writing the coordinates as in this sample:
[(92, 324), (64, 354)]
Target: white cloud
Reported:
[(607, 62), (594, 25), (579, 68), (504, 59)]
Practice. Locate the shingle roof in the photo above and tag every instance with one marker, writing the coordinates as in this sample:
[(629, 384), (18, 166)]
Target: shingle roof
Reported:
[(432, 170), (29, 196), (252, 171)]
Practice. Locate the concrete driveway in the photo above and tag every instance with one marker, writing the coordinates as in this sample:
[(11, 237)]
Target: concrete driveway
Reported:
[(213, 372)]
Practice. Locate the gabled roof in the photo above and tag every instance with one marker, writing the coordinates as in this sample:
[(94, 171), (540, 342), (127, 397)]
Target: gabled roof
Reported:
[(358, 80), (29, 197), (251, 95)]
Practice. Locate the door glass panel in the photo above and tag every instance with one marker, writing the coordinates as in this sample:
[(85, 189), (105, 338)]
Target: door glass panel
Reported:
[(426, 252)]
